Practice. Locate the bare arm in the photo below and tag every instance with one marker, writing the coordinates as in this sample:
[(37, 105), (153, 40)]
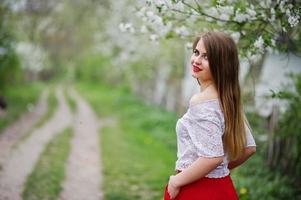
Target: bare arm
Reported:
[(201, 167), (198, 169), (249, 151)]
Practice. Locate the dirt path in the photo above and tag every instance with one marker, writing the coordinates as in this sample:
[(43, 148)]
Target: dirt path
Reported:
[(12, 134), (22, 160), (83, 177)]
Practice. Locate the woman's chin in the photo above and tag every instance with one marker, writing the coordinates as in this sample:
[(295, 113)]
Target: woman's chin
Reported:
[(194, 75)]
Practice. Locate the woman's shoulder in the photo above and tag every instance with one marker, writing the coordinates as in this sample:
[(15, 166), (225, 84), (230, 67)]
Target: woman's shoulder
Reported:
[(205, 106), (202, 97)]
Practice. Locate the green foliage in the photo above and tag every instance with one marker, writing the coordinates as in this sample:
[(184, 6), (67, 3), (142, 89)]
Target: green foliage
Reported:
[(92, 67), (46, 179), (287, 132), (20, 98), (254, 180), (279, 179), (9, 62)]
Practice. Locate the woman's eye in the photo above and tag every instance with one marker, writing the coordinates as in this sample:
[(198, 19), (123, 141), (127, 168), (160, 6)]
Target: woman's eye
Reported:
[(196, 52)]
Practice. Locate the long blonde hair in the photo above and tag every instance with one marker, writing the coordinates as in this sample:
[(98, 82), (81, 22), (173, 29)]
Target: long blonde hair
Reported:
[(224, 66)]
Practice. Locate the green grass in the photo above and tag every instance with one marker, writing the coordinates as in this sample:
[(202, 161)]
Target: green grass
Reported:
[(254, 180), (46, 179), (19, 99), (138, 153), (71, 102), (52, 105)]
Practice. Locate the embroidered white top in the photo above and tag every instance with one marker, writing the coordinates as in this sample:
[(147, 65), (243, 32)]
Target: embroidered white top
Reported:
[(199, 134)]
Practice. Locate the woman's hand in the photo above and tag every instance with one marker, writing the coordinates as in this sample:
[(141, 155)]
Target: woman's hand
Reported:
[(172, 189)]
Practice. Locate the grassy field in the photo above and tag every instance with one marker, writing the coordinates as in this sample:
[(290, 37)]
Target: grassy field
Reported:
[(46, 179), (19, 99), (138, 152)]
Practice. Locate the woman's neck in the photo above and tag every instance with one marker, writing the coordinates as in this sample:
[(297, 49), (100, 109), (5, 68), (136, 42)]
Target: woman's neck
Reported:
[(206, 85)]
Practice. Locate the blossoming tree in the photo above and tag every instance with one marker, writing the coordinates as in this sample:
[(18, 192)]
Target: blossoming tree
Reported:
[(257, 26)]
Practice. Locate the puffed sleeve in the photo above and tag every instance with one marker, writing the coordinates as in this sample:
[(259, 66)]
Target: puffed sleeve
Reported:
[(205, 131), (249, 136)]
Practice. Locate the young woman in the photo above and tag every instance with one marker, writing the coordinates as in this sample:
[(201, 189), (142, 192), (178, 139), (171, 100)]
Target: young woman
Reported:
[(213, 136)]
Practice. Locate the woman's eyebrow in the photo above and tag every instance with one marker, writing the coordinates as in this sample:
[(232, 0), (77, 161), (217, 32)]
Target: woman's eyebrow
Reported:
[(204, 53)]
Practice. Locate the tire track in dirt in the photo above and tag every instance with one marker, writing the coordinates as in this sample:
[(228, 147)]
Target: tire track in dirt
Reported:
[(83, 168), (22, 160), (13, 133)]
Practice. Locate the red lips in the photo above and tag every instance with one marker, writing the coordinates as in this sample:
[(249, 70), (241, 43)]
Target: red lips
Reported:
[(196, 69)]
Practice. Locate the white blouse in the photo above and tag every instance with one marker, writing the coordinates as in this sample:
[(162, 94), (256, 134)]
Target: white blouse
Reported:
[(199, 134)]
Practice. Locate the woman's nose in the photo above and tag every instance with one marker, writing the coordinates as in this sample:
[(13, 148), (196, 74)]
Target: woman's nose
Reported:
[(198, 60)]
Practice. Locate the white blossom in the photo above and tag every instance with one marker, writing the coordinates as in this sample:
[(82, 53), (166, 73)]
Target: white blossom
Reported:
[(188, 45), (208, 19), (227, 10), (284, 29), (259, 43), (143, 29), (273, 42), (34, 58), (281, 6), (220, 1), (141, 12), (241, 17), (164, 29), (235, 36), (253, 57), (178, 6), (224, 17), (288, 12), (293, 20), (268, 3), (265, 3), (193, 18), (153, 37), (122, 27), (212, 12), (159, 3), (144, 19), (182, 31), (264, 16), (126, 27), (252, 13), (150, 14), (273, 15), (148, 2)]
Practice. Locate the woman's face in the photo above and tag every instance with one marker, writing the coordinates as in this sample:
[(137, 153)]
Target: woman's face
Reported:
[(199, 63)]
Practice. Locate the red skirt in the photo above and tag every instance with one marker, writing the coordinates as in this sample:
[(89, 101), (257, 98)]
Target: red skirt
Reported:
[(207, 189)]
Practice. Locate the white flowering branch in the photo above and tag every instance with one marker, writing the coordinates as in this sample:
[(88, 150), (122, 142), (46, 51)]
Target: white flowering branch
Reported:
[(256, 27)]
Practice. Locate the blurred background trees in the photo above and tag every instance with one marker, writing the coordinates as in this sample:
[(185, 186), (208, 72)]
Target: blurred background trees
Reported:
[(10, 66)]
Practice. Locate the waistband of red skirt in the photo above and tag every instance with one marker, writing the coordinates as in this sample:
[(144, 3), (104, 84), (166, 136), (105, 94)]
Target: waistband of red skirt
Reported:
[(220, 178)]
